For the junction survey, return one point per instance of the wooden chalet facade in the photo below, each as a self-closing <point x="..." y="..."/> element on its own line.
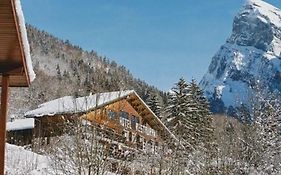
<point x="122" y="118"/>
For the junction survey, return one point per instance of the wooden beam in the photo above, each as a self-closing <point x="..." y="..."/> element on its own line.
<point x="20" y="40"/>
<point x="3" y="119"/>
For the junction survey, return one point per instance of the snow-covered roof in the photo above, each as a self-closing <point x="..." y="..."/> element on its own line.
<point x="25" y="42"/>
<point x="20" y="124"/>
<point x="70" y="104"/>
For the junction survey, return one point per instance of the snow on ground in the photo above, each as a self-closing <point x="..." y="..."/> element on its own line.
<point x="22" y="162"/>
<point x="19" y="161"/>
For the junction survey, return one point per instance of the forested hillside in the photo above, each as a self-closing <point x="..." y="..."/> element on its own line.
<point x="65" y="69"/>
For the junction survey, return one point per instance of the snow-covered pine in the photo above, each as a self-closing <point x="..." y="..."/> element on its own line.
<point x="177" y="114"/>
<point x="200" y="113"/>
<point x="203" y="131"/>
<point x="153" y="102"/>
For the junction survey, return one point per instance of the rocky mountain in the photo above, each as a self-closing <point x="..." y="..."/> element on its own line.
<point x="249" y="61"/>
<point x="65" y="69"/>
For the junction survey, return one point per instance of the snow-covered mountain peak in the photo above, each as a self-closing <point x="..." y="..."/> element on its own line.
<point x="263" y="11"/>
<point x="250" y="55"/>
<point x="258" y="24"/>
<point x="263" y="7"/>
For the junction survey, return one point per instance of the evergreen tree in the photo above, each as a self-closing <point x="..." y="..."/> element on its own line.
<point x="177" y="119"/>
<point x="203" y="131"/>
<point x="58" y="72"/>
<point x="154" y="104"/>
<point x="200" y="114"/>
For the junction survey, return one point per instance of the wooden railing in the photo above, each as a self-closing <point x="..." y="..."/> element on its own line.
<point x="145" y="130"/>
<point x="125" y="122"/>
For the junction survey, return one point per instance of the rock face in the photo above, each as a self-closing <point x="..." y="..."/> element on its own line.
<point x="250" y="57"/>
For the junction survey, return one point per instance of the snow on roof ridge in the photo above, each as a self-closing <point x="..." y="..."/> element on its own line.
<point x="25" y="42"/>
<point x="81" y="104"/>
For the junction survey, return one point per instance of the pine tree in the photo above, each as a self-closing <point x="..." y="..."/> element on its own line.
<point x="200" y="114"/>
<point x="203" y="131"/>
<point x="58" y="72"/>
<point x="177" y="117"/>
<point x="154" y="104"/>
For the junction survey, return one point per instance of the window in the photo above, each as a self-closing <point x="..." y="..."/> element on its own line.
<point x="134" y="121"/>
<point x="111" y="114"/>
<point x="124" y="119"/>
<point x="124" y="115"/>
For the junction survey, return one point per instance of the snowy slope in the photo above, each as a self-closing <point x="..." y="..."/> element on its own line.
<point x="250" y="57"/>
<point x="20" y="161"/>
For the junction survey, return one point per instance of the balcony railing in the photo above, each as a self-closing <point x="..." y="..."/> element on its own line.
<point x="150" y="131"/>
<point x="145" y="130"/>
<point x="125" y="122"/>
<point x="140" y="128"/>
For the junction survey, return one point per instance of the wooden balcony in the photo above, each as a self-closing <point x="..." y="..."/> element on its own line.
<point x="125" y="122"/>
<point x="146" y="130"/>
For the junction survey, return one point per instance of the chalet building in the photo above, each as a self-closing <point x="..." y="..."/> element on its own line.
<point x="122" y="116"/>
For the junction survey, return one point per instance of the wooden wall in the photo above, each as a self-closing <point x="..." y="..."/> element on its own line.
<point x="101" y="117"/>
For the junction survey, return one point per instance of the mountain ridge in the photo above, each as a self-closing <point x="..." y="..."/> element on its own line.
<point x="249" y="59"/>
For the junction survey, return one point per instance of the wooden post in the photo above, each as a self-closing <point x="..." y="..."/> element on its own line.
<point x="3" y="119"/>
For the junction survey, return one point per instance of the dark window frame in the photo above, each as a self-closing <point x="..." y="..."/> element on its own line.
<point x="124" y="115"/>
<point x="111" y="114"/>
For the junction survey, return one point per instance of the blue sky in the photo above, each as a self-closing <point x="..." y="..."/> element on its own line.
<point x="159" y="41"/>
